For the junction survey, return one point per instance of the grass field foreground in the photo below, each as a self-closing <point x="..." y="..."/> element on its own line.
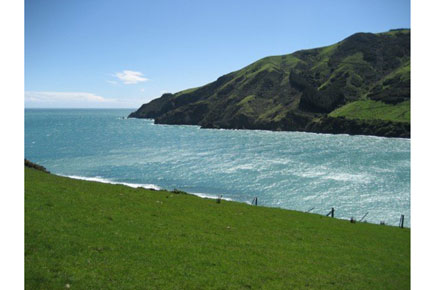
<point x="89" y="235"/>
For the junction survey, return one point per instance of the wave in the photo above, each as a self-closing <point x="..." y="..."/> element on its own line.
<point x="210" y="196"/>
<point x="103" y="180"/>
<point x="137" y="185"/>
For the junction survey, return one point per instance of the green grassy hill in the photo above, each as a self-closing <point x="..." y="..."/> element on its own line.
<point x="374" y="110"/>
<point x="88" y="235"/>
<point x="297" y="91"/>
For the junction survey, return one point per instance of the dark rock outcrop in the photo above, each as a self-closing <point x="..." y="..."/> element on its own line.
<point x="30" y="164"/>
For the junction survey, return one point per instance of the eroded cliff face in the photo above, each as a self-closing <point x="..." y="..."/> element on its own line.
<point x="302" y="90"/>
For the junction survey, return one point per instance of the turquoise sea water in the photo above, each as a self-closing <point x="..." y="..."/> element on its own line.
<point x="292" y="170"/>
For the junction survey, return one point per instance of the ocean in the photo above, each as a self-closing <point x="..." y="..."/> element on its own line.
<point x="312" y="172"/>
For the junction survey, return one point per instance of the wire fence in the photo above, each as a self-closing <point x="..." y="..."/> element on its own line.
<point x="331" y="214"/>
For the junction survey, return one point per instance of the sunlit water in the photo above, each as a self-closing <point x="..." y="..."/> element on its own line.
<point x="292" y="170"/>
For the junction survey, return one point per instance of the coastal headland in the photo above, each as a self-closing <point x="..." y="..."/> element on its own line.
<point x="358" y="86"/>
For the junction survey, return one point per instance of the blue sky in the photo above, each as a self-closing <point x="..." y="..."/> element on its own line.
<point x="105" y="54"/>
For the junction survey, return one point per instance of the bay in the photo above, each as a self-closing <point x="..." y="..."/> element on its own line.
<point x="291" y="170"/>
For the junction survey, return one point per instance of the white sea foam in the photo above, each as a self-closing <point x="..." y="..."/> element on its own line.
<point x="137" y="185"/>
<point x="359" y="178"/>
<point x="210" y="196"/>
<point x="239" y="167"/>
<point x="103" y="180"/>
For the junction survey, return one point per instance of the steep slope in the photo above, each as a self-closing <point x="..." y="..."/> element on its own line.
<point x="305" y="91"/>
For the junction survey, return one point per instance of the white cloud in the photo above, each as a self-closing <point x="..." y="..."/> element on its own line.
<point x="112" y="82"/>
<point x="34" y="99"/>
<point x="130" y="77"/>
<point x="63" y="96"/>
<point x="64" y="99"/>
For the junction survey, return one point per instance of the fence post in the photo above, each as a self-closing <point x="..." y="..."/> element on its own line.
<point x="363" y="217"/>
<point x="402" y="218"/>
<point x="331" y="213"/>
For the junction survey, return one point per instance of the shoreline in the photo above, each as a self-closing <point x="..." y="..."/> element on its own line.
<point x="154" y="187"/>
<point x="312" y="129"/>
<point x="146" y="186"/>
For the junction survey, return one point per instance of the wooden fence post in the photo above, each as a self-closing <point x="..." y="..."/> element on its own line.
<point x="331" y="213"/>
<point x="363" y="217"/>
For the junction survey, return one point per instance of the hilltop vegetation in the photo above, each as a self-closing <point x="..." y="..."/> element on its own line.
<point x="305" y="91"/>
<point x="89" y="235"/>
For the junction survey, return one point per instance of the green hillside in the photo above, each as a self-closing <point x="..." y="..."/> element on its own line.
<point x="374" y="110"/>
<point x="293" y="91"/>
<point x="88" y="235"/>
